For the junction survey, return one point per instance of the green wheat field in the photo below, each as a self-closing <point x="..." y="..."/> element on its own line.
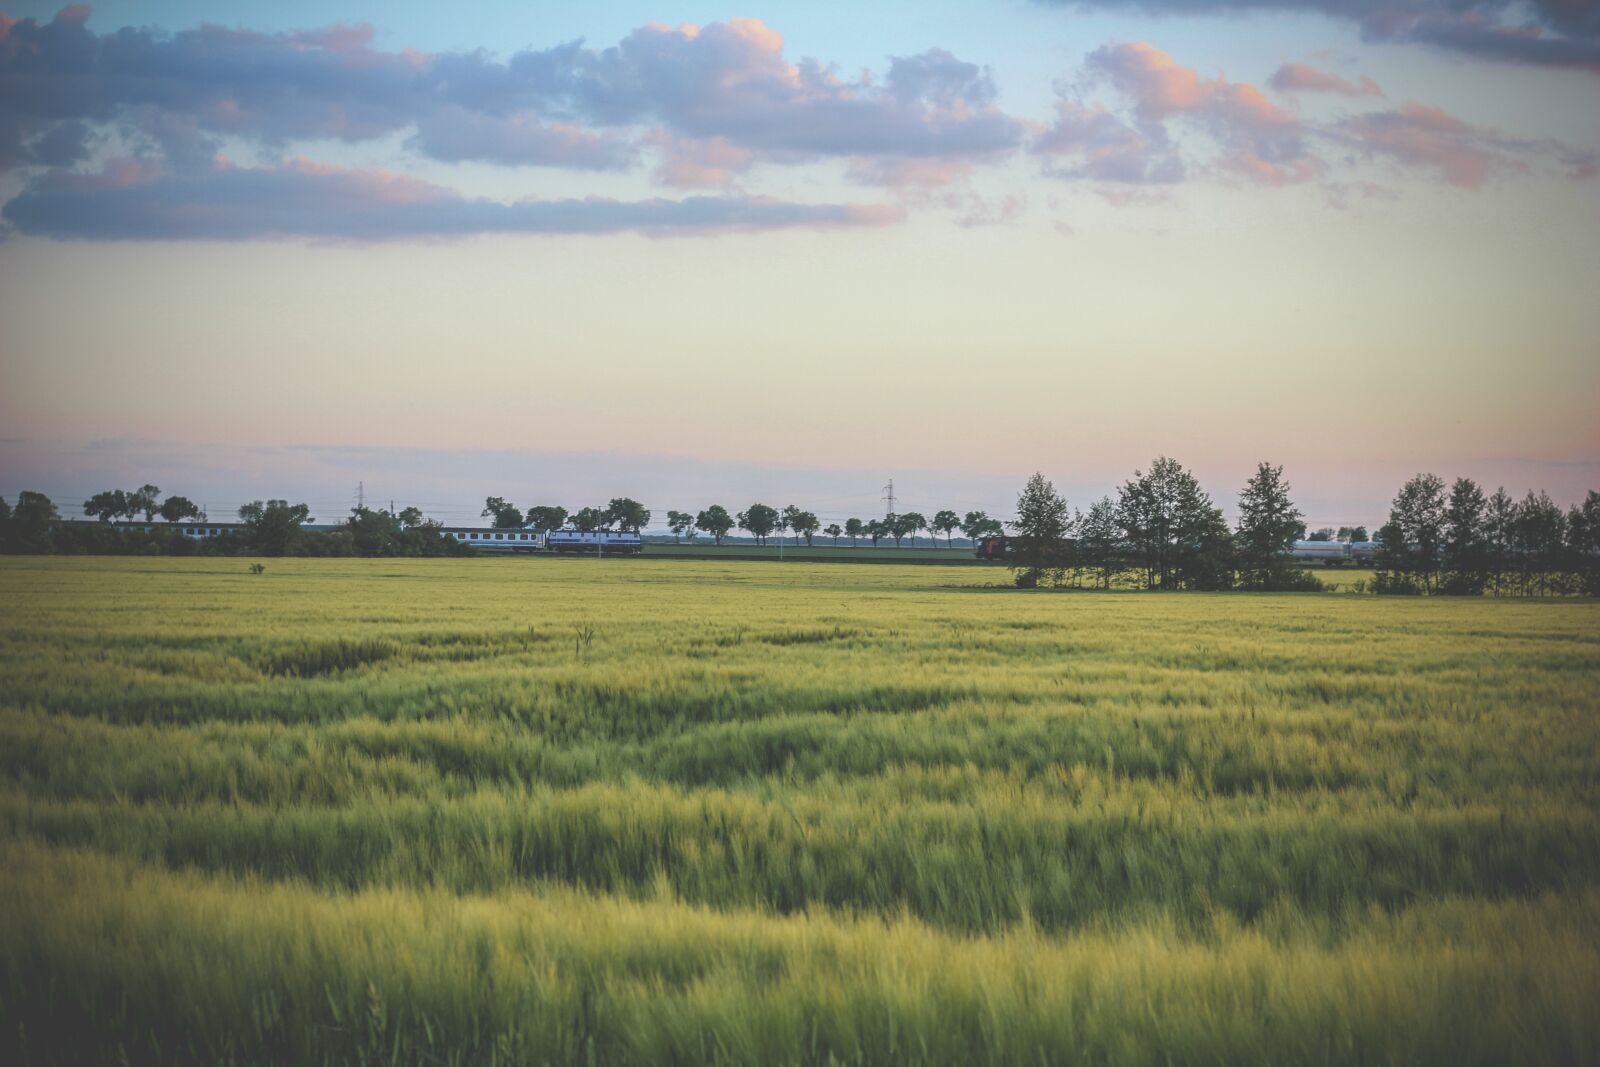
<point x="624" y="811"/>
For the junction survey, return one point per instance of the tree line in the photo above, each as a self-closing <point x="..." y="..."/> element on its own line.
<point x="761" y="521"/>
<point x="1162" y="531"/>
<point x="268" y="528"/>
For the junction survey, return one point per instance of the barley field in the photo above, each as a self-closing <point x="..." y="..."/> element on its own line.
<point x="624" y="811"/>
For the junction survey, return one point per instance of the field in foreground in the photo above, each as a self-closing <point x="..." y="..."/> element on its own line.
<point x="582" y="811"/>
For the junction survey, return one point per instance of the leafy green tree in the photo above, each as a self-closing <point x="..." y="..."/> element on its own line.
<point x="805" y="524"/>
<point x="1466" y="545"/>
<point x="1099" y="548"/>
<point x="1326" y="533"/>
<point x="1583" y="542"/>
<point x="179" y="508"/>
<point x="1349" y="534"/>
<point x="411" y="518"/>
<point x="853" y="529"/>
<point x="628" y="514"/>
<point x="106" y="506"/>
<point x="1268" y="524"/>
<point x="1499" y="532"/>
<point x="876" y="530"/>
<point x="1408" y="558"/>
<point x="908" y="524"/>
<point x="1173" y="532"/>
<point x="1039" y="551"/>
<point x="589" y="520"/>
<point x="1540" y="543"/>
<point x="977" y="525"/>
<point x="760" y="520"/>
<point x="893" y="527"/>
<point x="505" y="516"/>
<point x="274" y="527"/>
<point x="786" y="520"/>
<point x="833" y="530"/>
<point x="680" y="522"/>
<point x="545" y="517"/>
<point x="715" y="521"/>
<point x="946" y="522"/>
<point x="28" y="529"/>
<point x="147" y="499"/>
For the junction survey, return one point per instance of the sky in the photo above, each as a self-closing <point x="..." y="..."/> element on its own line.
<point x="701" y="254"/>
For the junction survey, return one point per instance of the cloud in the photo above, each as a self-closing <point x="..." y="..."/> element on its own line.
<point x="1561" y="33"/>
<point x="454" y="134"/>
<point x="1261" y="140"/>
<point x="1458" y="153"/>
<point x="732" y="81"/>
<point x="1304" y="78"/>
<point x="725" y="82"/>
<point x="134" y="200"/>
<point x="1090" y="142"/>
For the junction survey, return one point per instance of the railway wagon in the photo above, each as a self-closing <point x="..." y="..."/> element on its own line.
<point x="594" y="542"/>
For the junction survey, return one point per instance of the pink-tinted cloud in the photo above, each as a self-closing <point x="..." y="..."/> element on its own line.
<point x="1261" y="140"/>
<point x="1304" y="78"/>
<point x="1090" y="142"/>
<point x="301" y="199"/>
<point x="1419" y="136"/>
<point x="702" y="162"/>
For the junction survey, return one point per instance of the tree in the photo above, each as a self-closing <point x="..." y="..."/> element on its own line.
<point x="833" y="530"/>
<point x="1349" y="534"/>
<point x="506" y="517"/>
<point x="411" y="518"/>
<point x="1326" y="533"/>
<point x="1465" y="548"/>
<point x="1040" y="549"/>
<point x="853" y="529"/>
<point x="1408" y="558"/>
<point x="760" y="520"/>
<point x="715" y="521"/>
<point x="1268" y="523"/>
<point x="908" y="525"/>
<point x="977" y="525"/>
<point x="805" y="525"/>
<point x="30" y="523"/>
<point x="893" y="528"/>
<point x="111" y="504"/>
<point x="786" y="521"/>
<point x="272" y="528"/>
<point x="1099" y="546"/>
<point x="179" y="508"/>
<point x="1174" y="533"/>
<point x="1499" y="532"/>
<point x="588" y="520"/>
<point x="545" y="517"/>
<point x="1540" y="542"/>
<point x="946" y="522"/>
<point x="1583" y="542"/>
<point x="875" y="531"/>
<point x="680" y="522"/>
<point x="627" y="514"/>
<point x="146" y="498"/>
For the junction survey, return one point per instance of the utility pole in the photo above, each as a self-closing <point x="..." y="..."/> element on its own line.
<point x="888" y="498"/>
<point x="361" y="495"/>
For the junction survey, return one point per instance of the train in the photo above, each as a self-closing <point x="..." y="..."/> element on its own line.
<point x="557" y="542"/>
<point x="1328" y="553"/>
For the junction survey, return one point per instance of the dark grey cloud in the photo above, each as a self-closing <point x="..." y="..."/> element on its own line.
<point x="1547" y="33"/>
<point x="130" y="201"/>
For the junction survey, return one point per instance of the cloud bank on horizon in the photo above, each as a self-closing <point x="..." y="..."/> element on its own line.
<point x="211" y="133"/>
